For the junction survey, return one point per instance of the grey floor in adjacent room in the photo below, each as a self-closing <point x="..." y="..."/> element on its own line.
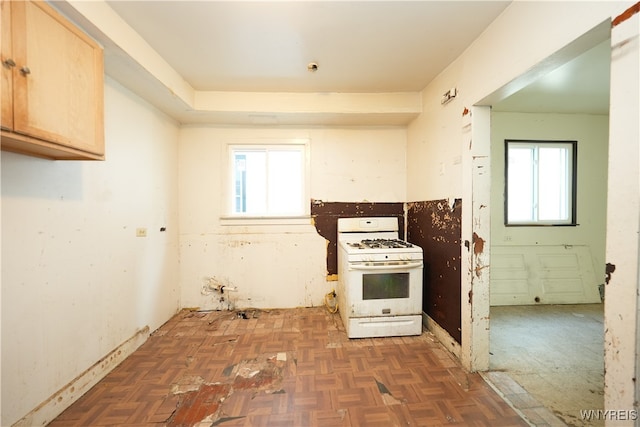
<point x="555" y="353"/>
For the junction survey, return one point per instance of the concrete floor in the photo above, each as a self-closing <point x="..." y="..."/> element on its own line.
<point x="555" y="353"/>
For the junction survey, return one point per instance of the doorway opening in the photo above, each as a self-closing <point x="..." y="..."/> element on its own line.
<point x="546" y="287"/>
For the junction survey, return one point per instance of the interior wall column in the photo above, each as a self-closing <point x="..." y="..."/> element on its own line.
<point x="623" y="220"/>
<point x="476" y="234"/>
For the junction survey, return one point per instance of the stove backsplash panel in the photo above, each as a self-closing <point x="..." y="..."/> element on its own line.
<point x="325" y="216"/>
<point x="435" y="225"/>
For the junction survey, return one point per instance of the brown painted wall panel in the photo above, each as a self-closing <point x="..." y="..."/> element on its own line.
<point x="325" y="216"/>
<point x="436" y="227"/>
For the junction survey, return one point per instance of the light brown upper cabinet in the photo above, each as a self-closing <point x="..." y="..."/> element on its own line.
<point x="52" y="85"/>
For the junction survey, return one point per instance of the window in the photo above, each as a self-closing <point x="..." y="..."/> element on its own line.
<point x="268" y="180"/>
<point x="540" y="182"/>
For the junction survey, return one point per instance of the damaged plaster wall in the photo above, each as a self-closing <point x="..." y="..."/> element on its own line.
<point x="76" y="281"/>
<point x="285" y="264"/>
<point x="325" y="218"/>
<point x="435" y="226"/>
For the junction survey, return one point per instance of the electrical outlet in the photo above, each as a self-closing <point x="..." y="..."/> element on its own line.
<point x="141" y="232"/>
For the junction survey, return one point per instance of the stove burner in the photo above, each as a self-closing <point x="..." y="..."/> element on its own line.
<point x="380" y="244"/>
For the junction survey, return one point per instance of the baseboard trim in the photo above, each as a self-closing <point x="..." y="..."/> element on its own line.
<point x="442" y="335"/>
<point x="44" y="413"/>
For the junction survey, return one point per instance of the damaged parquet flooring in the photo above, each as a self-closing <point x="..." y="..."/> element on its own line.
<point x="285" y="368"/>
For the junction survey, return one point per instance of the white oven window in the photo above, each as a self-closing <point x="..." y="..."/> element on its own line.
<point x="385" y="286"/>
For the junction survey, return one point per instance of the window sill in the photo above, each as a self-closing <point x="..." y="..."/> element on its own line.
<point x="266" y="220"/>
<point x="541" y="224"/>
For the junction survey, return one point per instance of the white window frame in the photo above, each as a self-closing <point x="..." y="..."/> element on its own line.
<point x="231" y="217"/>
<point x="535" y="189"/>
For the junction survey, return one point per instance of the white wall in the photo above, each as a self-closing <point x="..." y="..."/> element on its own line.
<point x="76" y="281"/>
<point x="592" y="134"/>
<point x="275" y="266"/>
<point x="494" y="63"/>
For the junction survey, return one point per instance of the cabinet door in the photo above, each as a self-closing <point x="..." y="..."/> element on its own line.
<point x="57" y="80"/>
<point x="6" y="90"/>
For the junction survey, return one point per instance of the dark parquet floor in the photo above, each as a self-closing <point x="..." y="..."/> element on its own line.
<point x="292" y="367"/>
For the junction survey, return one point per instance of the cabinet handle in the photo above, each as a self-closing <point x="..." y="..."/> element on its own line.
<point x="9" y="63"/>
<point x="25" y="70"/>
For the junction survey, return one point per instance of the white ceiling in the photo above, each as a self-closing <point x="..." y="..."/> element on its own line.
<point x="579" y="86"/>
<point x="265" y="46"/>
<point x="359" y="46"/>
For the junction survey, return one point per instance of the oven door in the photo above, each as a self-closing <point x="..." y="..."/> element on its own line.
<point x="389" y="288"/>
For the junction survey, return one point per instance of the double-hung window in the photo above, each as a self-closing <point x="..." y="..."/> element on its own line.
<point x="268" y="180"/>
<point x="540" y="182"/>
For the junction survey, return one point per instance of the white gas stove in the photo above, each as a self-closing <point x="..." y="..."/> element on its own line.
<point x="379" y="279"/>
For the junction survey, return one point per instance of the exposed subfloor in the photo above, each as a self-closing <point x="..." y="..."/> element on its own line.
<point x="293" y="367"/>
<point x="553" y="352"/>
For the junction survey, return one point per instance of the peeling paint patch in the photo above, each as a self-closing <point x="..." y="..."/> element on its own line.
<point x="609" y="269"/>
<point x="325" y="218"/>
<point x="435" y="225"/>
<point x="478" y="250"/>
<point x="478" y="244"/>
<point x="478" y="270"/>
<point x="626" y="15"/>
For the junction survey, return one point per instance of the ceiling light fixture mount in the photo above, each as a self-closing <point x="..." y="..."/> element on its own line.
<point x="312" y="67"/>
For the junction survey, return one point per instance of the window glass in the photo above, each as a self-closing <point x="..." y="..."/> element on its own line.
<point x="268" y="180"/>
<point x="540" y="182"/>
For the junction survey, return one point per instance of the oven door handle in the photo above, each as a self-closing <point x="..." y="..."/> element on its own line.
<point x="402" y="266"/>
